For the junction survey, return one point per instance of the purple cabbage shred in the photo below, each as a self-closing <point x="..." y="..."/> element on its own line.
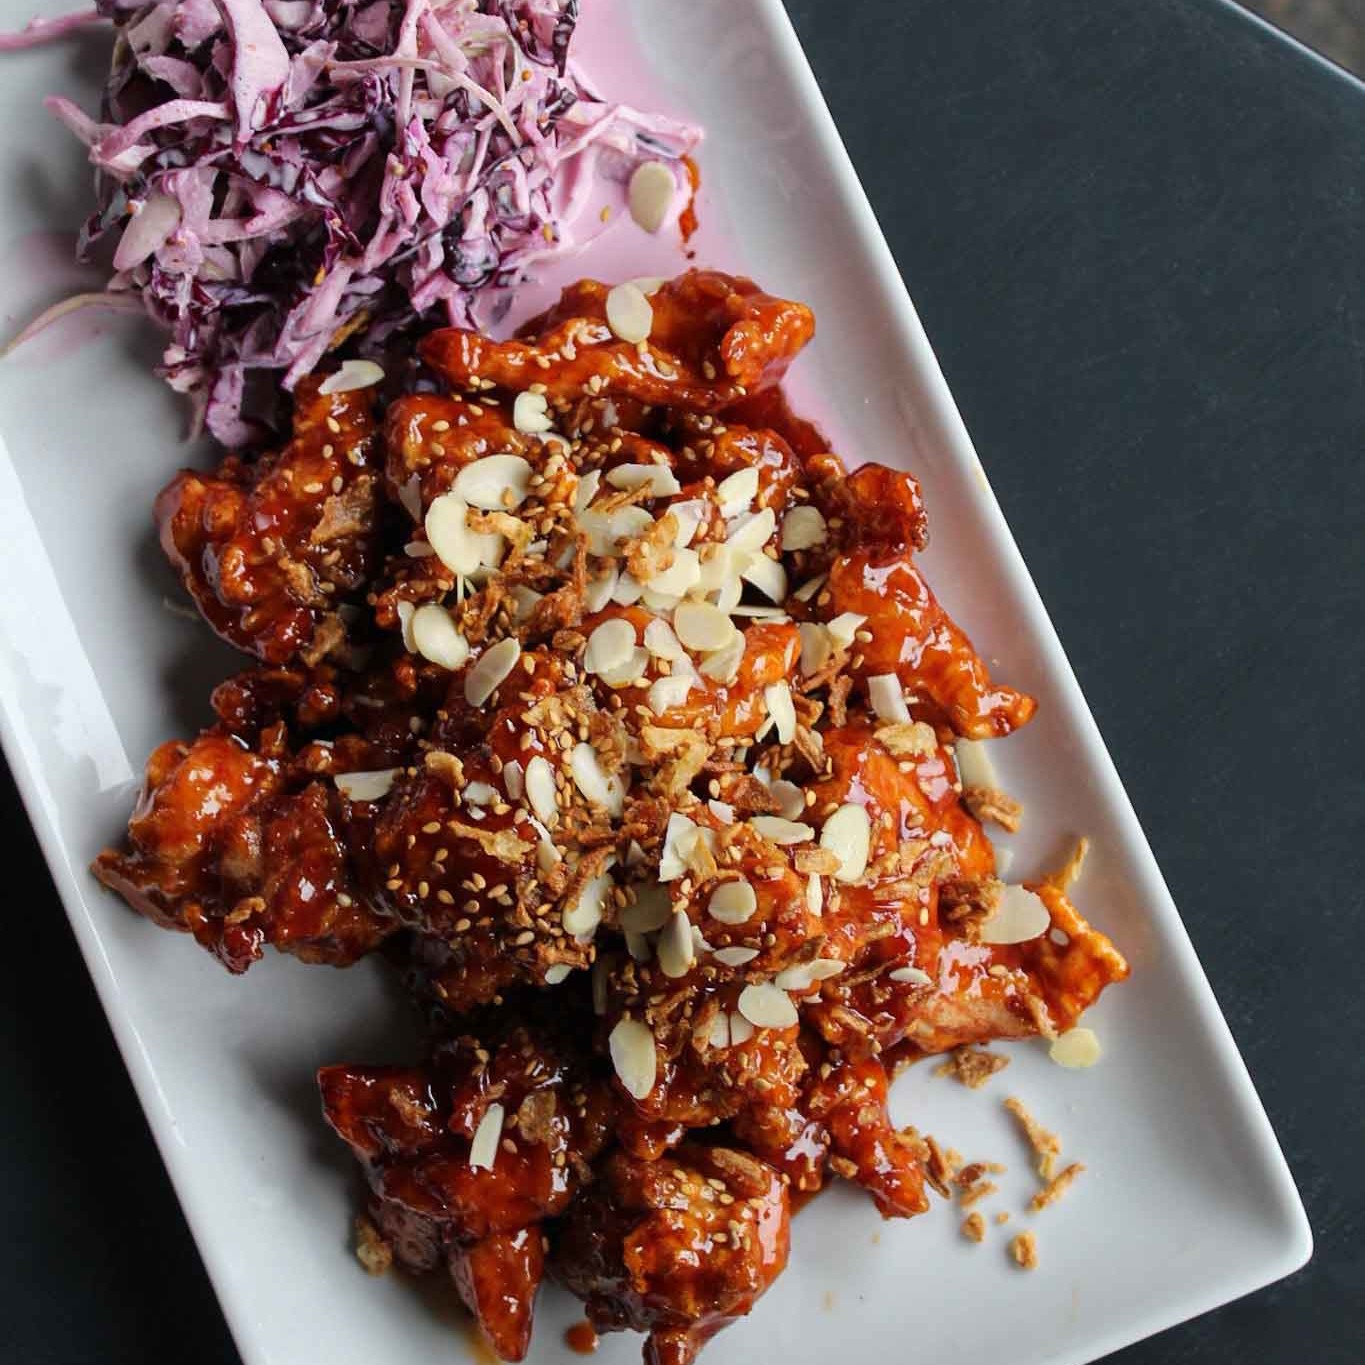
<point x="283" y="178"/>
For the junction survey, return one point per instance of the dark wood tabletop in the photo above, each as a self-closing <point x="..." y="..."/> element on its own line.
<point x="1134" y="231"/>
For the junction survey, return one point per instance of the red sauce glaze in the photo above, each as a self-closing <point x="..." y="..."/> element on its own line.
<point x="687" y="220"/>
<point x="581" y="1338"/>
<point x="551" y="862"/>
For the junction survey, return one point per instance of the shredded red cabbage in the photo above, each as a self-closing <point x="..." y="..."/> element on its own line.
<point x="283" y="177"/>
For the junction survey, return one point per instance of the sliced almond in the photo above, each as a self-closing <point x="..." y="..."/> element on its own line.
<point x="1076" y="1049"/>
<point x="718" y="567"/>
<point x="888" y="698"/>
<point x="698" y="851"/>
<point x="628" y="589"/>
<point x="730" y="591"/>
<point x="974" y="764"/>
<point x="434" y="634"/>
<point x="609" y="646"/>
<point x="541" y="790"/>
<point x="629" y="314"/>
<point x="666" y="693"/>
<point x="600" y="589"/>
<point x="592" y="779"/>
<point x="352" y="375"/>
<point x="676" y="951"/>
<point x="1019" y="917"/>
<point x="631" y="1045"/>
<point x="911" y="976"/>
<point x="658" y="478"/>
<point x="815" y="895"/>
<point x="718" y="1034"/>
<point x="652" y="190"/>
<point x="790" y="798"/>
<point x="816" y="647"/>
<point x="802" y="528"/>
<point x="661" y="642"/>
<point x="776" y="830"/>
<point x="768" y="576"/>
<point x="493" y="666"/>
<point x="649" y="912"/>
<point x="479" y="794"/>
<point x="461" y="550"/>
<point x="631" y="669"/>
<point x="767" y="1006"/>
<point x="680" y="577"/>
<point x="689" y="515"/>
<point x="735" y="957"/>
<point x="736" y="492"/>
<point x="741" y="1030"/>
<point x="495" y="483"/>
<point x="844" y="627"/>
<point x="671" y="864"/>
<point x="514" y="779"/>
<point x="733" y="902"/>
<point x="702" y="627"/>
<point x="848" y="835"/>
<point x="531" y="413"/>
<point x="557" y="972"/>
<point x="483" y="1149"/>
<point x="585" y="914"/>
<point x="750" y="532"/>
<point x="586" y="491"/>
<point x="723" y="664"/>
<point x="525" y="599"/>
<point x="406" y="611"/>
<point x="781" y="710"/>
<point x="810" y="587"/>
<point x="370" y="786"/>
<point x="804" y="976"/>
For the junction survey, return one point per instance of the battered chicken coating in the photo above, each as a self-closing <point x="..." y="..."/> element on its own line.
<point x="714" y="339"/>
<point x="270" y="548"/>
<point x="242" y="838"/>
<point x="469" y="1154"/>
<point x="677" y="1247"/>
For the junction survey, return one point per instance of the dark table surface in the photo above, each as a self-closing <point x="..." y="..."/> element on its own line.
<point x="1134" y="231"/>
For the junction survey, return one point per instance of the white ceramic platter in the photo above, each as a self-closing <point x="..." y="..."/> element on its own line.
<point x="1186" y="1201"/>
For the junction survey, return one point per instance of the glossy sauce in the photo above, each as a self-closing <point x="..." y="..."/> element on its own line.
<point x="581" y="1338"/>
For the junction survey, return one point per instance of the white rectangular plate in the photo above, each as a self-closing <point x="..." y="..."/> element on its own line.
<point x="1186" y="1201"/>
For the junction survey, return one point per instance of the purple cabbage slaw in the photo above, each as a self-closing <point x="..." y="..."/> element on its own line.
<point x="284" y="177"/>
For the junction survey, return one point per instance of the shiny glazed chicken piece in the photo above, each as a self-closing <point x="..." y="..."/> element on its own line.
<point x="714" y="339"/>
<point x="677" y="1247"/>
<point x="241" y="837"/>
<point x="270" y="549"/>
<point x="468" y="1155"/>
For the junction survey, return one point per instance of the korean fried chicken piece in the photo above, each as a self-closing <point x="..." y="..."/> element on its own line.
<point x="467" y="1155"/>
<point x="1039" y="987"/>
<point x="242" y="837"/>
<point x="910" y="930"/>
<point x="223" y="848"/>
<point x="269" y="549"/>
<point x="677" y="1247"/>
<point x="714" y="338"/>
